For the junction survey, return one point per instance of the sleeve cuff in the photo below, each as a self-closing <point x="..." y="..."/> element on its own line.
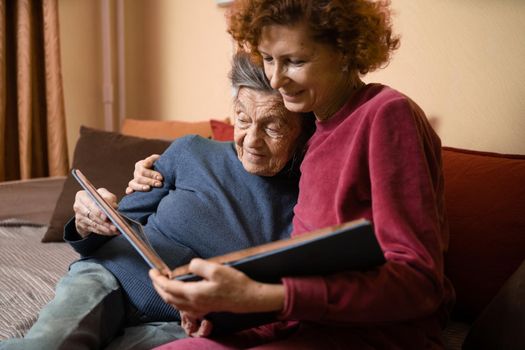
<point x="83" y="246"/>
<point x="305" y="298"/>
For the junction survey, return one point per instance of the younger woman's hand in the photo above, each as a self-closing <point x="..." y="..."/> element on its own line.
<point x="222" y="288"/>
<point x="143" y="177"/>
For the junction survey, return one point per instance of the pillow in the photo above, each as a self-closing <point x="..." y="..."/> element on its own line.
<point x="166" y="129"/>
<point x="107" y="159"/>
<point x="485" y="200"/>
<point x="502" y="323"/>
<point x="221" y="131"/>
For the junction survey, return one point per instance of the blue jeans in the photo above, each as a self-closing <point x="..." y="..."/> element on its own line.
<point x="89" y="311"/>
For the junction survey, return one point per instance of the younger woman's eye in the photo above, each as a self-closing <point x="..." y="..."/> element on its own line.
<point x="296" y="62"/>
<point x="267" y="59"/>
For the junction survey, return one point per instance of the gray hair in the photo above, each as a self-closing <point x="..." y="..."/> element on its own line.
<point x="246" y="73"/>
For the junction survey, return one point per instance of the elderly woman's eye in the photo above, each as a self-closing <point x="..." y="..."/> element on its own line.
<point x="242" y="121"/>
<point x="273" y="131"/>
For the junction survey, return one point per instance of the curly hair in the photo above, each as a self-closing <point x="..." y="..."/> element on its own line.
<point x="360" y="29"/>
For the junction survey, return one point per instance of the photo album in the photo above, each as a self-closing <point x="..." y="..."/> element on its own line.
<point x="348" y="246"/>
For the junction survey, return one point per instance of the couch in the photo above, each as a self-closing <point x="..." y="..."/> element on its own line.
<point x="485" y="199"/>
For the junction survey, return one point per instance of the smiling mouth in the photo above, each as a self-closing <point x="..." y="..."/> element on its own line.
<point x="290" y="95"/>
<point x="254" y="157"/>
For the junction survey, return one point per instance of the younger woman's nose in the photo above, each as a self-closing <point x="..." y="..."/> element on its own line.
<point x="278" y="77"/>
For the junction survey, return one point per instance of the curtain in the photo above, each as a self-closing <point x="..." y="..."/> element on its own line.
<point x="33" y="139"/>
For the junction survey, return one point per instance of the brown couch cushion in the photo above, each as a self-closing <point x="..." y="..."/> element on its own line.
<point x="485" y="199"/>
<point x="107" y="159"/>
<point x="32" y="200"/>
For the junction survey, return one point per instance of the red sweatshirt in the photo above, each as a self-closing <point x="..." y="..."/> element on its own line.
<point x="379" y="159"/>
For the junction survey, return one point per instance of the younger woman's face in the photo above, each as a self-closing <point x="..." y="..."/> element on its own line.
<point x="308" y="74"/>
<point x="265" y="133"/>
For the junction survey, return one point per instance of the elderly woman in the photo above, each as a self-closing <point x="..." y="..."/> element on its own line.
<point x="217" y="197"/>
<point x="373" y="155"/>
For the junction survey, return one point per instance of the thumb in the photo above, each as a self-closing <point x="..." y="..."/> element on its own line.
<point x="148" y="162"/>
<point x="203" y="268"/>
<point x="204" y="330"/>
<point x="108" y="196"/>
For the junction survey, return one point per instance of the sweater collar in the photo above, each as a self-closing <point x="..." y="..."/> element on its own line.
<point x="348" y="108"/>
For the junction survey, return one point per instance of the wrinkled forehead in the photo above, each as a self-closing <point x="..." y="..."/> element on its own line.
<point x="262" y="104"/>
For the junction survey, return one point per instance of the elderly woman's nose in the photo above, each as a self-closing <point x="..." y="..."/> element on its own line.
<point x="254" y="136"/>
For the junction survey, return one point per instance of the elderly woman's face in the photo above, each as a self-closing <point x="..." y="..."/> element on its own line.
<point x="265" y="132"/>
<point x="309" y="75"/>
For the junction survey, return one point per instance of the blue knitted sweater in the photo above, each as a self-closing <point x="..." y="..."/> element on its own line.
<point x="209" y="205"/>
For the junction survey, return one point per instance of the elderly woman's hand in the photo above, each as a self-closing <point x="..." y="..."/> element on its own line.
<point x="195" y="327"/>
<point x="143" y="177"/>
<point x="89" y="218"/>
<point x="223" y="288"/>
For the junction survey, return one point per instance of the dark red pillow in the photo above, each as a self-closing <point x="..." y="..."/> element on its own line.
<point x="221" y="131"/>
<point x="485" y="199"/>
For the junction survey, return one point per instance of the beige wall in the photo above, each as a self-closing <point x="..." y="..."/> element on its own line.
<point x="177" y="59"/>
<point x="460" y="60"/>
<point x="463" y="63"/>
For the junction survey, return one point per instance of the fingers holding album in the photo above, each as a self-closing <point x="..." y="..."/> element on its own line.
<point x="195" y="327"/>
<point x="223" y="288"/>
<point x="109" y="197"/>
<point x="89" y="218"/>
<point x="172" y="292"/>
